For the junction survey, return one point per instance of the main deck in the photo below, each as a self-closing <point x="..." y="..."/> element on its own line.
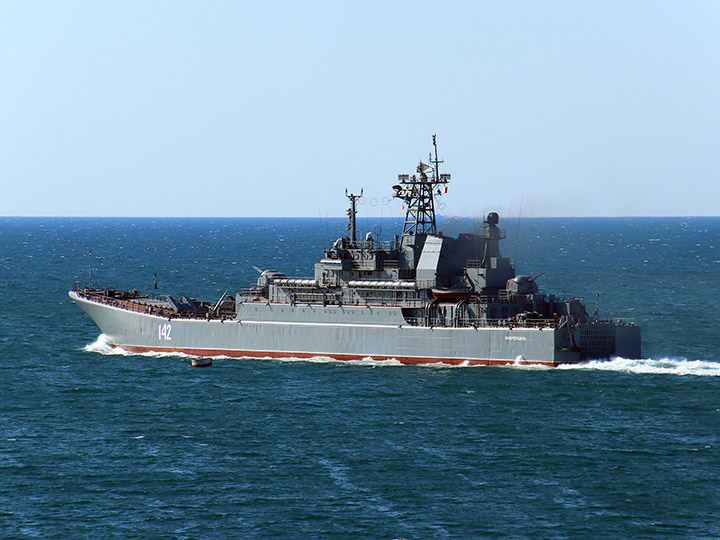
<point x="231" y="307"/>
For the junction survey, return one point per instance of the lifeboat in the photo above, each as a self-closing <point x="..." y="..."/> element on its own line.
<point x="450" y="293"/>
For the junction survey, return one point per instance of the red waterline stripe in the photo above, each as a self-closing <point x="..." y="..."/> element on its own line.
<point x="335" y="356"/>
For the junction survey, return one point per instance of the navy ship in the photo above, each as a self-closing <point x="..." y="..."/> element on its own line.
<point x="422" y="297"/>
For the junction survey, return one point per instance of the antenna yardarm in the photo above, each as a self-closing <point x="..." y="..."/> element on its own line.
<point x="418" y="192"/>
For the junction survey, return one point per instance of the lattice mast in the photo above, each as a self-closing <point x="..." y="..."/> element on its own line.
<point x="352" y="214"/>
<point x="418" y="193"/>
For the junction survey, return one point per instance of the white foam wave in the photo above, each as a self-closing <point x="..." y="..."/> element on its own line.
<point x="102" y="346"/>
<point x="367" y="361"/>
<point x="662" y="366"/>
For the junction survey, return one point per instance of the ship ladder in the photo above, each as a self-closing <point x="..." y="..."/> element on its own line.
<point x="458" y="310"/>
<point x="428" y="306"/>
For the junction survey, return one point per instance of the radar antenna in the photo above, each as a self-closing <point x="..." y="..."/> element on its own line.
<point x="418" y="193"/>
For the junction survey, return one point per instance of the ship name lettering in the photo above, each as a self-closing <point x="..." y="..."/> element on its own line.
<point x="515" y="338"/>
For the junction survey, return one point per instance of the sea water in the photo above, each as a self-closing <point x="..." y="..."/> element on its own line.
<point x="98" y="443"/>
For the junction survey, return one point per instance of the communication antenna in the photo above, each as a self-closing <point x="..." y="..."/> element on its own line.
<point x="90" y="277"/>
<point x="352" y="214"/>
<point x="517" y="232"/>
<point x="322" y="229"/>
<point x="327" y="232"/>
<point x="418" y="193"/>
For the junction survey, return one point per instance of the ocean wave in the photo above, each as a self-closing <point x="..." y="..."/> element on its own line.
<point x="661" y="366"/>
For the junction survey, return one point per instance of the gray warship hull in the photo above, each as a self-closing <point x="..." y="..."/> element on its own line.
<point x="424" y="297"/>
<point x="265" y="330"/>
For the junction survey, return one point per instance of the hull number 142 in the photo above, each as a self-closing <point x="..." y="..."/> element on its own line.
<point x="164" y="332"/>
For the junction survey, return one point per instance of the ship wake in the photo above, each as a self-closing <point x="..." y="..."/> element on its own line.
<point x="655" y="366"/>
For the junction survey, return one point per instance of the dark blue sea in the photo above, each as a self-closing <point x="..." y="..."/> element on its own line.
<point x="99" y="444"/>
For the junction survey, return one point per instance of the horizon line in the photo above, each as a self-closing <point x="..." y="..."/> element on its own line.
<point x="23" y="216"/>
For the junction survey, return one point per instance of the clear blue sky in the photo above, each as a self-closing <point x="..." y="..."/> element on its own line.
<point x="178" y="108"/>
